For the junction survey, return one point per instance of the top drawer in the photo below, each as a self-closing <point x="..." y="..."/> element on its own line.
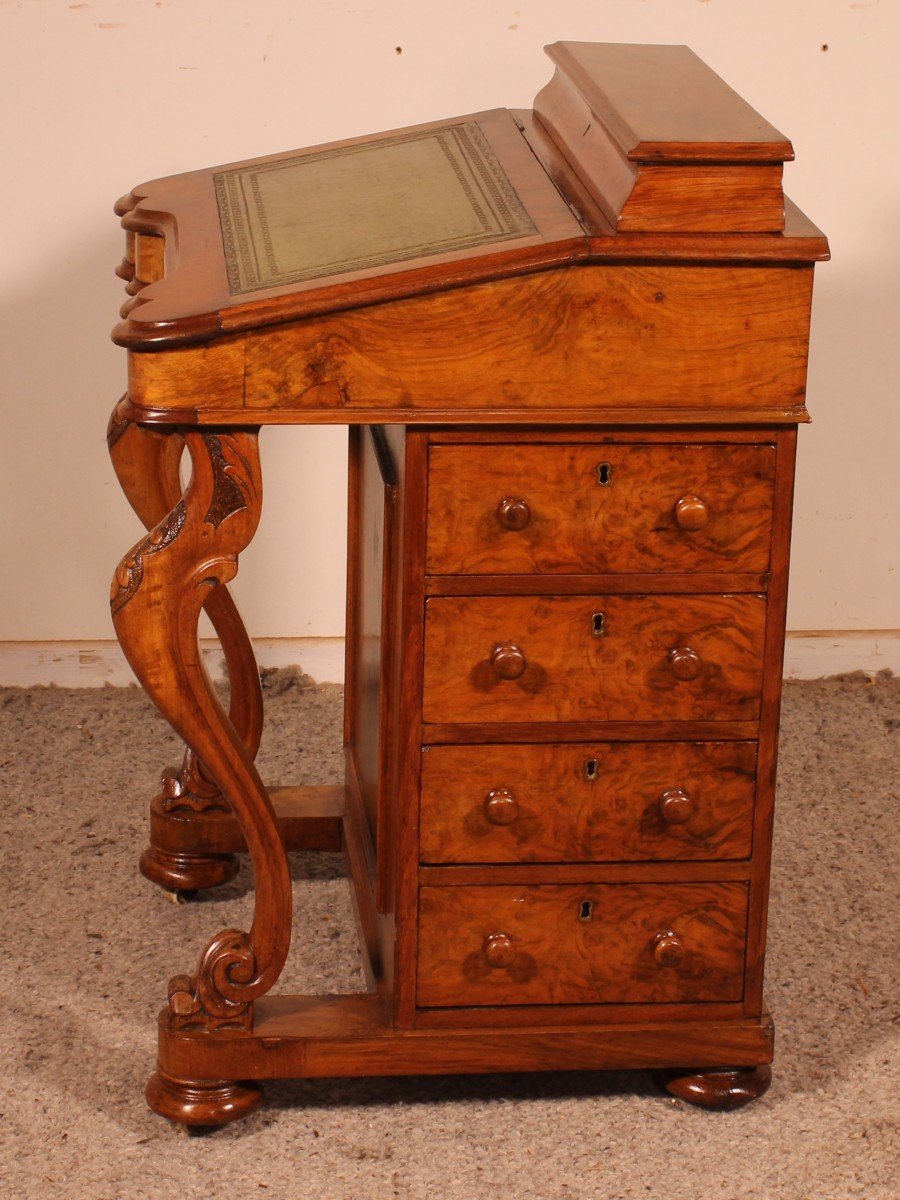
<point x="507" y="508"/>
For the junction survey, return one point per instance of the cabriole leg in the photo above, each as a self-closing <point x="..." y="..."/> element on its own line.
<point x="147" y="462"/>
<point x="157" y="595"/>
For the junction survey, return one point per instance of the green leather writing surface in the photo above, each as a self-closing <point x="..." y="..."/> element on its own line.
<point x="362" y="206"/>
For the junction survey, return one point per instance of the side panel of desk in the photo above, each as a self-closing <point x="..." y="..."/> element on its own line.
<point x="376" y="473"/>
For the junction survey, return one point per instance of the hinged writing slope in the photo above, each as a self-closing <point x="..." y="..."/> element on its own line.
<point x="361" y="206"/>
<point x="661" y="142"/>
<point x="337" y="226"/>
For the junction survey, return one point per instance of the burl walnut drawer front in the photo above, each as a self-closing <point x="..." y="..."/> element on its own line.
<point x="585" y="509"/>
<point x="593" y="658"/>
<point x="609" y="802"/>
<point x="582" y="944"/>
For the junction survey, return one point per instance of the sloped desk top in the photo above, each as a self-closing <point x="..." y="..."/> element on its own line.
<point x="632" y="155"/>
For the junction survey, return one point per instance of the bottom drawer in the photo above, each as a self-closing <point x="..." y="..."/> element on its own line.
<point x="581" y="944"/>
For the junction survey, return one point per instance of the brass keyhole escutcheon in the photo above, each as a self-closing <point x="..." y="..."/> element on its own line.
<point x="592" y="770"/>
<point x="586" y="910"/>
<point x="598" y="624"/>
<point x="604" y="474"/>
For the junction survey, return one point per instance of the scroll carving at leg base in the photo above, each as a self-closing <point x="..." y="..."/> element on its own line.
<point x="723" y="1089"/>
<point x="200" y="1105"/>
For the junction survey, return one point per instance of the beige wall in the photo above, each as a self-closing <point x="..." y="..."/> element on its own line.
<point x="99" y="96"/>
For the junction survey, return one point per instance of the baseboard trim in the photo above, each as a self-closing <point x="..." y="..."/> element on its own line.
<point x="808" y="655"/>
<point x="812" y="654"/>
<point x="102" y="664"/>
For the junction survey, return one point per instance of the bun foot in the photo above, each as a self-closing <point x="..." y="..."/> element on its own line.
<point x="201" y="1106"/>
<point x="187" y="872"/>
<point x="723" y="1089"/>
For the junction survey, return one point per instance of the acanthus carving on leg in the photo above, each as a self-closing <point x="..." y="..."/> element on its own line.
<point x="157" y="596"/>
<point x="147" y="463"/>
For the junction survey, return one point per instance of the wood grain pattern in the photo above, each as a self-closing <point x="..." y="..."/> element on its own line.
<point x="676" y="871"/>
<point x="572" y="675"/>
<point x="560" y="956"/>
<point x="331" y="1036"/>
<point x="648" y="336"/>
<point x="705" y="199"/>
<point x="586" y="585"/>
<point x="800" y="240"/>
<point x="663" y="103"/>
<point x="596" y="340"/>
<point x="597" y="508"/>
<point x="587" y="802"/>
<point x="677" y="175"/>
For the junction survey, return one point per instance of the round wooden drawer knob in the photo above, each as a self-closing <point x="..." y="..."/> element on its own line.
<point x="676" y="806"/>
<point x="499" y="950"/>
<point x="513" y="512"/>
<point x="501" y="807"/>
<point x="508" y="661"/>
<point x="686" y="663"/>
<point x="667" y="949"/>
<point x="691" y="513"/>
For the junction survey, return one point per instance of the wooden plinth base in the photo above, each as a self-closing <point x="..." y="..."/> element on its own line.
<point x="312" y="1037"/>
<point x="296" y="1037"/>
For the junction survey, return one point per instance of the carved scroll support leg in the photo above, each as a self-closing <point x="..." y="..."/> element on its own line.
<point x="723" y="1089"/>
<point x="157" y="595"/>
<point x="147" y="465"/>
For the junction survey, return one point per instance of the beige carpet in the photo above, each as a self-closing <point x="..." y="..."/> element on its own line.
<point x="89" y="946"/>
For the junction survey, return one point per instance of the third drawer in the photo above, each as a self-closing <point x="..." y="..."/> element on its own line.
<point x="604" y="802"/>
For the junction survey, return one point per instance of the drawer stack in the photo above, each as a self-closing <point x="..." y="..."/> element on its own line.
<point x="594" y="645"/>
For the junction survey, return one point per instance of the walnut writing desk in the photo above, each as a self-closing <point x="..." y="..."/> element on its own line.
<point x="570" y="345"/>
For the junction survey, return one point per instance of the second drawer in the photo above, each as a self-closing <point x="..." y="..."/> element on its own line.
<point x="593" y="658"/>
<point x="610" y="802"/>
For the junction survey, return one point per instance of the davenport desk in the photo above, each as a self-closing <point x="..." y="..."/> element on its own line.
<point x="570" y="345"/>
